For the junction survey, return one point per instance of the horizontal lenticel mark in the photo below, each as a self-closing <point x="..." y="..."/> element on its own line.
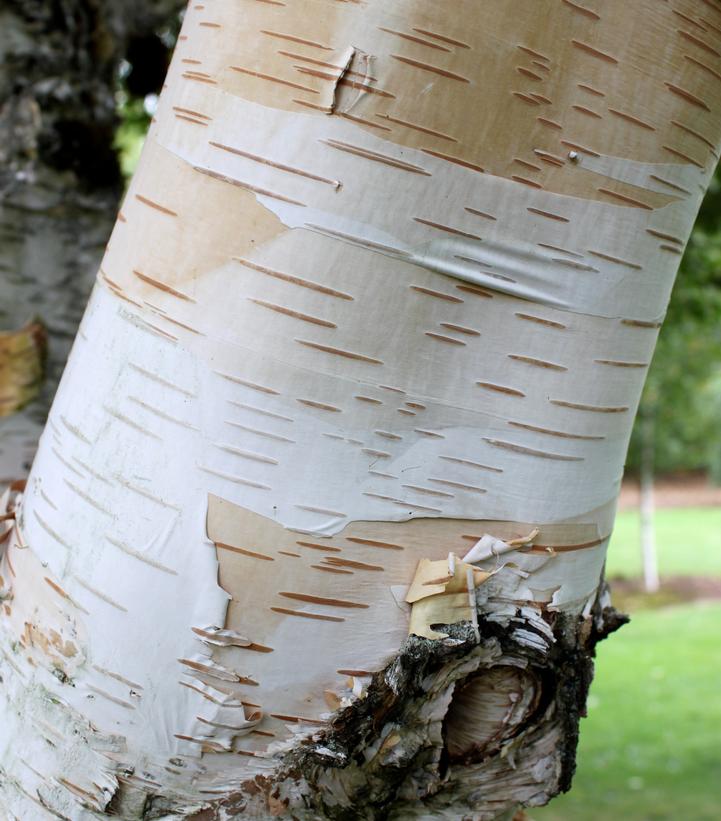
<point x="619" y="364"/>
<point x="617" y="260"/>
<point x="468" y="463"/>
<point x="531" y="451"/>
<point x="688" y="96"/>
<point x="246" y="185"/>
<point x="272" y="79"/>
<point x="500" y="389"/>
<point x="442" y="38"/>
<point x="640" y="323"/>
<point x="162" y="286"/>
<point x="548" y="214"/>
<point x="446" y="228"/>
<point x="415" y="127"/>
<point x="200" y="78"/>
<point x="427" y="67"/>
<point x="295" y="280"/>
<point x="242" y="551"/>
<point x="557" y="433"/>
<point x="252" y="385"/>
<point x="324" y="548"/>
<point x="591" y="89"/>
<point x="265" y="161"/>
<point x="293" y="39"/>
<point x="461" y="329"/>
<point x="583" y="110"/>
<point x="541" y="321"/>
<point x="698" y="42"/>
<point x="454" y="160"/>
<point x="374" y="543"/>
<point x="525" y="98"/>
<point x="367" y="154"/>
<point x="539" y="363"/>
<point x="703" y="66"/>
<point x="582" y="10"/>
<point x="151" y="204"/>
<point x="332" y="570"/>
<point x="625" y="199"/>
<point x="284" y="611"/>
<point x="594" y="52"/>
<point x="592" y="408"/>
<point x="696" y="134"/>
<point x="475" y="290"/>
<point x="681" y="155"/>
<point x="339" y="352"/>
<point x="459" y="485"/>
<point x="292" y="313"/>
<point x="438" y="294"/>
<point x="533" y="53"/>
<point x="322" y="600"/>
<point x="412" y="38"/>
<point x="336" y="562"/>
<point x="549" y="123"/>
<point x="669" y="184"/>
<point x="661" y="235"/>
<point x="581" y="148"/>
<point x="631" y="119"/>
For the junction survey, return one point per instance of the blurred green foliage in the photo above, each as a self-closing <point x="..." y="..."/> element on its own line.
<point x="130" y="136"/>
<point x="683" y="389"/>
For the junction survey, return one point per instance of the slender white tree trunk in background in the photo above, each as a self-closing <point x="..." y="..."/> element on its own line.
<point x="385" y="286"/>
<point x="647" y="504"/>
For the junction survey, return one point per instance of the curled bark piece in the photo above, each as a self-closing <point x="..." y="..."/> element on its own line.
<point x="442" y="592"/>
<point x="488" y="546"/>
<point x="22" y="366"/>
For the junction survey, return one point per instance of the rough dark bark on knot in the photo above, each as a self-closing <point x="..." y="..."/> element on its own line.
<point x="451" y="728"/>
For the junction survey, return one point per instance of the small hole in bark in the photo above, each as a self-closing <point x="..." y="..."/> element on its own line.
<point x="486" y="709"/>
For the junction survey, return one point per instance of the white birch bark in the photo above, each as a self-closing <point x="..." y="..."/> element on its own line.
<point x="387" y="280"/>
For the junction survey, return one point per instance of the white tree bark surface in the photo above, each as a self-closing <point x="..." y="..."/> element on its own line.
<point x="388" y="278"/>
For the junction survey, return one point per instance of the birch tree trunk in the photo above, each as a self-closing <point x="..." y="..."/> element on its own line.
<point x="59" y="187"/>
<point x="379" y="304"/>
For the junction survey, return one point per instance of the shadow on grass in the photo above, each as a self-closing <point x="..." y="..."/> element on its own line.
<point x="629" y="595"/>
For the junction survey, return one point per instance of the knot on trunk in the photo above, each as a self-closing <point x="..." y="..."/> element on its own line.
<point x="450" y="726"/>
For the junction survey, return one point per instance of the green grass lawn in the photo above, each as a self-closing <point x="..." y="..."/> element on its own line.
<point x="651" y="746"/>
<point x="688" y="542"/>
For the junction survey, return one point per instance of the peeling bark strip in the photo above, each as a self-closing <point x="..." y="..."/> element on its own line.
<point x="22" y="365"/>
<point x="340" y="382"/>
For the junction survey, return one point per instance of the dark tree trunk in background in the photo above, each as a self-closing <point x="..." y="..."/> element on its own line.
<point x="59" y="181"/>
